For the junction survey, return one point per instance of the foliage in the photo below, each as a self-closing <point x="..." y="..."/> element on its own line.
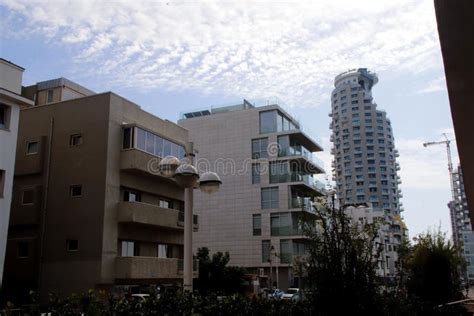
<point x="167" y="302"/>
<point x="341" y="267"/>
<point x="434" y="269"/>
<point x="216" y="276"/>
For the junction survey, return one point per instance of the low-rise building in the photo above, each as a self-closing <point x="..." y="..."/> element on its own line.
<point x="10" y="103"/>
<point x="89" y="208"/>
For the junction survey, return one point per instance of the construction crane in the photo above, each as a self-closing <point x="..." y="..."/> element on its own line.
<point x="447" y="142"/>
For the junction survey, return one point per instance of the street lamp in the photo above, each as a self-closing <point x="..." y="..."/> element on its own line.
<point x="187" y="176"/>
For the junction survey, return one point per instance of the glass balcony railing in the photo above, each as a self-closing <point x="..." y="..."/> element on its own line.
<point x="301" y="151"/>
<point x="292" y="177"/>
<point x="286" y="231"/>
<point x="301" y="203"/>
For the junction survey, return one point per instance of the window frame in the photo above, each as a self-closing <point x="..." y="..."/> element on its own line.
<point x="28" y="143"/>
<point x="74" y="137"/>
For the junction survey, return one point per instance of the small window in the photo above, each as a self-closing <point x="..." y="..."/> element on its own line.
<point x="72" y="245"/>
<point x="32" y="148"/>
<point x="257" y="224"/>
<point x="23" y="248"/>
<point x="50" y="96"/>
<point x="131" y="196"/>
<point x="75" y="190"/>
<point x="129" y="248"/>
<point x="75" y="140"/>
<point x="2" y="182"/>
<point x="164" y="251"/>
<point x="4" y="110"/>
<point x="28" y="197"/>
<point x="165" y="203"/>
<point x="128" y="138"/>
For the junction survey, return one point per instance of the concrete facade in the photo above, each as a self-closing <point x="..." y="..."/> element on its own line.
<point x="254" y="211"/>
<point x="365" y="159"/>
<point x="89" y="208"/>
<point x="10" y="103"/>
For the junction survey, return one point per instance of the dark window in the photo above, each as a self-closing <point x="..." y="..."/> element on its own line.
<point x="256" y="173"/>
<point x="266" y="247"/>
<point x="127" y="138"/>
<point x="2" y="182"/>
<point x="3" y="116"/>
<point x="28" y="197"/>
<point x="23" y="249"/>
<point x="75" y="190"/>
<point x="257" y="224"/>
<point x="72" y="245"/>
<point x="32" y="148"/>
<point x="75" y="140"/>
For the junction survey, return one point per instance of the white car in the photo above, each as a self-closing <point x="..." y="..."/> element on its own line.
<point x="288" y="295"/>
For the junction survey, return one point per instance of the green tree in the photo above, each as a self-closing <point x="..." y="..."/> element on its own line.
<point x="216" y="276"/>
<point x="434" y="269"/>
<point x="341" y="267"/>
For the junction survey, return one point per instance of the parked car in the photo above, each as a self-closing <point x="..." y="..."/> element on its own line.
<point x="276" y="294"/>
<point x="288" y="295"/>
<point x="141" y="297"/>
<point x="299" y="297"/>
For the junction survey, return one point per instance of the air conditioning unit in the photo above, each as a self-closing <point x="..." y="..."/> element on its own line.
<point x="261" y="272"/>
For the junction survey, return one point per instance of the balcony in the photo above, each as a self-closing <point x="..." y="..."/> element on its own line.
<point x="139" y="161"/>
<point x="301" y="203"/>
<point x="304" y="180"/>
<point x="149" y="214"/>
<point x="149" y="268"/>
<point x="308" y="162"/>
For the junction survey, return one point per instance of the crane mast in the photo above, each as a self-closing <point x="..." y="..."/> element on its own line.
<point x="447" y="142"/>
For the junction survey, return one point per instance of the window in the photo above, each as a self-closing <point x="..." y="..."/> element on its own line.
<point x="268" y="122"/>
<point x="266" y="248"/>
<point x="257" y="224"/>
<point x="50" y="96"/>
<point x="2" y="182"/>
<point x="4" y="111"/>
<point x="285" y="251"/>
<point x="75" y="140"/>
<point x="259" y="148"/>
<point x="131" y="196"/>
<point x="28" y="197"/>
<point x="164" y="251"/>
<point x="32" y="148"/>
<point x="72" y="245"/>
<point x="23" y="247"/>
<point x="129" y="248"/>
<point x="127" y="138"/>
<point x="156" y="145"/>
<point x="75" y="190"/>
<point x="256" y="173"/>
<point x="165" y="203"/>
<point x="269" y="198"/>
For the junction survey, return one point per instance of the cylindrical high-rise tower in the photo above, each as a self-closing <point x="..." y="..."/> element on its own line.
<point x="365" y="166"/>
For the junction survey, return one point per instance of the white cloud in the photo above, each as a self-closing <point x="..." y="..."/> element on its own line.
<point x="289" y="49"/>
<point x="436" y="85"/>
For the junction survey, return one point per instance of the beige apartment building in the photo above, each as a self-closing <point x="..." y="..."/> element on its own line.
<point x="10" y="103"/>
<point x="89" y="209"/>
<point x="266" y="165"/>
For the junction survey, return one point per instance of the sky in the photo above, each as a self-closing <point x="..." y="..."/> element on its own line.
<point x="175" y="56"/>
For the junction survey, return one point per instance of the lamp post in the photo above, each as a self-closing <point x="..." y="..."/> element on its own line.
<point x="187" y="176"/>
